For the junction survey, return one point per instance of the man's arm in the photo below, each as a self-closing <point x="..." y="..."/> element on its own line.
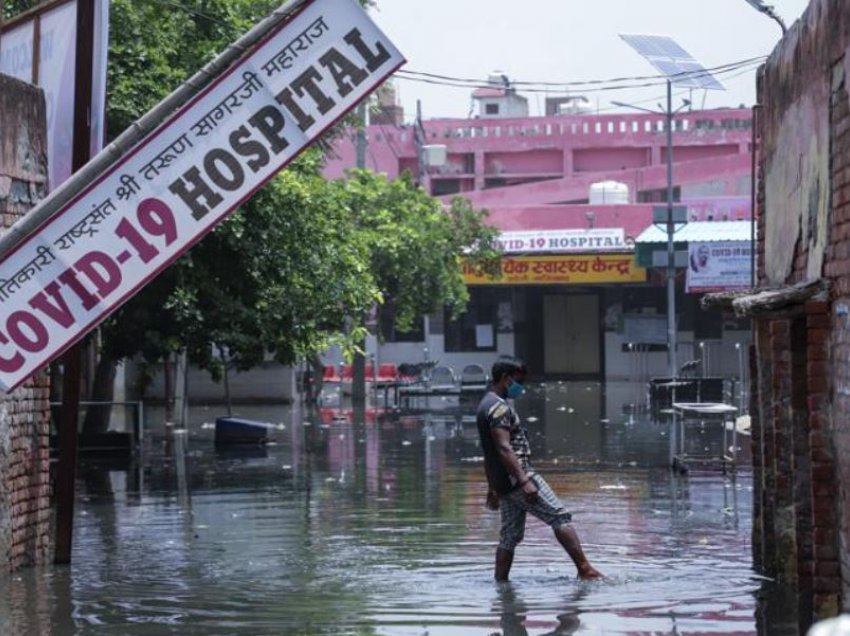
<point x="504" y="450"/>
<point x="492" y="495"/>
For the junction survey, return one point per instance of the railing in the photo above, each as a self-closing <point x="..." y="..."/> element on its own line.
<point x="733" y="121"/>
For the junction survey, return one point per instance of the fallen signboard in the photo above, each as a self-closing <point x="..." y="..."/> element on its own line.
<point x="154" y="203"/>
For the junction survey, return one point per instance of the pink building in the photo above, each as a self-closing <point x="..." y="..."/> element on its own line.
<point x="549" y="160"/>
<point x="540" y="179"/>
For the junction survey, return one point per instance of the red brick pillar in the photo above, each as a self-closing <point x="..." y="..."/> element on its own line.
<point x="756" y="434"/>
<point x="24" y="414"/>
<point x="779" y="468"/>
<point x="830" y="352"/>
<point x="764" y="477"/>
<point x="801" y="471"/>
<point x="826" y="562"/>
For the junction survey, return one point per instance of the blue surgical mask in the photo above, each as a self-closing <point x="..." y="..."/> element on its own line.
<point x="515" y="390"/>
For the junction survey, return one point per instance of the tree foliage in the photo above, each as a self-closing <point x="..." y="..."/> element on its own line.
<point x="304" y="256"/>
<point x="414" y="243"/>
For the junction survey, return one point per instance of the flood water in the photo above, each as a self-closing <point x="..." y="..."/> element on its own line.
<point x="373" y="523"/>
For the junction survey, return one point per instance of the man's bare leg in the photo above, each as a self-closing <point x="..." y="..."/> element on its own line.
<point x="504" y="561"/>
<point x="568" y="538"/>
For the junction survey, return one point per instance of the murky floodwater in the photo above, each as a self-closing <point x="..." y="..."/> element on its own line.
<point x="373" y="523"/>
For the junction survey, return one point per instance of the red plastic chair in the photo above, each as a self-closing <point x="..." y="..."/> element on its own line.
<point x="387" y="373"/>
<point x="330" y="375"/>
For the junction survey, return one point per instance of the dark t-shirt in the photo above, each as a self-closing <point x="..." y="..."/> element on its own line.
<point x="493" y="411"/>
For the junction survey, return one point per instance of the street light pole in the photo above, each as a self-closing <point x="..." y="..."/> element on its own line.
<point x="671" y="254"/>
<point x="768" y="10"/>
<point x="669" y="114"/>
<point x="358" y="379"/>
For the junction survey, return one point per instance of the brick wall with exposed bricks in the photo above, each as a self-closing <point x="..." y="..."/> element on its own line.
<point x="24" y="413"/>
<point x="801" y="384"/>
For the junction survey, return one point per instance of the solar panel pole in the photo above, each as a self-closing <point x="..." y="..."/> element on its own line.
<point x="671" y="254"/>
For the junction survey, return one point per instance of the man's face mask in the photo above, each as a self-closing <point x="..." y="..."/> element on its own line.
<point x="515" y="389"/>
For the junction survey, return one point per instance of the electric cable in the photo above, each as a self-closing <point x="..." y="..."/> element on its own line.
<point x="597" y="88"/>
<point x="719" y="69"/>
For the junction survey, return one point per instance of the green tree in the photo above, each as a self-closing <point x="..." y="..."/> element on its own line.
<point x="303" y="257"/>
<point x="415" y="244"/>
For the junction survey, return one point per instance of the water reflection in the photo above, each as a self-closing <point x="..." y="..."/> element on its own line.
<point x="372" y="522"/>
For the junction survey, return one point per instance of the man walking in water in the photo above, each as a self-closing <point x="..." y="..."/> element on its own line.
<point x="514" y="488"/>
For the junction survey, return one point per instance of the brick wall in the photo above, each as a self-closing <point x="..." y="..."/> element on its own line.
<point x="24" y="414"/>
<point x="801" y="436"/>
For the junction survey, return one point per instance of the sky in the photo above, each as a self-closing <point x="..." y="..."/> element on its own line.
<point x="571" y="41"/>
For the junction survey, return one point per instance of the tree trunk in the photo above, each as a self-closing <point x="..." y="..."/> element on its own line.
<point x="168" y="381"/>
<point x="227" y="398"/>
<point x="314" y="388"/>
<point x="103" y="390"/>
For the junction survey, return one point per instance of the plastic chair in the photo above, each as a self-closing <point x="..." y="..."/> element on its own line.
<point x="443" y="378"/>
<point x="329" y="375"/>
<point x="387" y="373"/>
<point x="473" y="378"/>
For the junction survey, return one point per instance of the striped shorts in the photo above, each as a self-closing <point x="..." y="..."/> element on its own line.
<point x="514" y="507"/>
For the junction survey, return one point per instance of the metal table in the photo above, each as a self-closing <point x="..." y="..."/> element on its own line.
<point x="702" y="412"/>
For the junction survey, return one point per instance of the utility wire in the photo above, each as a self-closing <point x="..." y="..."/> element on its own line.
<point x="719" y="69"/>
<point x="602" y="85"/>
<point x="411" y="120"/>
<point x="660" y="81"/>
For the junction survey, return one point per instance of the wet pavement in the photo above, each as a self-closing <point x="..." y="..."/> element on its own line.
<point x="372" y="522"/>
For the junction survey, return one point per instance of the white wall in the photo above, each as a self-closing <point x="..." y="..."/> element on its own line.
<point x="721" y="356"/>
<point x="266" y="383"/>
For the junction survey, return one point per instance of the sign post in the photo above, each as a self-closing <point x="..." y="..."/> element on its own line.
<point x="69" y="414"/>
<point x="155" y="202"/>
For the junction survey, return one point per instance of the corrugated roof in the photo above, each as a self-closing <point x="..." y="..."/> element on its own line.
<point x="700" y="231"/>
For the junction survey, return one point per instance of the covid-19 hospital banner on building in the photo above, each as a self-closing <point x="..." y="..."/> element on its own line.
<point x="161" y="198"/>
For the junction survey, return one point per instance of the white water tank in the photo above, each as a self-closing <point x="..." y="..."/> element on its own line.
<point x="609" y="193"/>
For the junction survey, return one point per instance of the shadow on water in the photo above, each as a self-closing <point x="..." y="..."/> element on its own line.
<point x="372" y="522"/>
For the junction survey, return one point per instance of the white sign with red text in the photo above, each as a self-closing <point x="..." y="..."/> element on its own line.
<point x="160" y="199"/>
<point x="560" y="241"/>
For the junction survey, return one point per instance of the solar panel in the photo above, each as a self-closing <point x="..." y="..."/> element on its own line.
<point x="673" y="61"/>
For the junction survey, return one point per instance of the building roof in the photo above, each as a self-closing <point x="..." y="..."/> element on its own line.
<point x="488" y="92"/>
<point x="700" y="231"/>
